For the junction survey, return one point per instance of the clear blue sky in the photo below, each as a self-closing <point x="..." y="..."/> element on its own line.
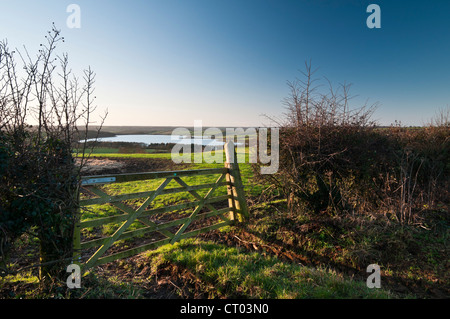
<point x="226" y="62"/>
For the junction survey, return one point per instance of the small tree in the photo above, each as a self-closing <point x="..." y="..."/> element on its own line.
<point x="42" y="104"/>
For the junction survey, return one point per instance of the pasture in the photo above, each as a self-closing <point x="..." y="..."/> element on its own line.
<point x="277" y="254"/>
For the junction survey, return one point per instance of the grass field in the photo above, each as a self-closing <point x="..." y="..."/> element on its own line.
<point x="275" y="255"/>
<point x="227" y="270"/>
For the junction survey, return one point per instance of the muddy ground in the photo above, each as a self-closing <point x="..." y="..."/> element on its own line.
<point x="103" y="166"/>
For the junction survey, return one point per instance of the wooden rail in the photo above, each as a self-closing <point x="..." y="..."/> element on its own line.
<point x="172" y="230"/>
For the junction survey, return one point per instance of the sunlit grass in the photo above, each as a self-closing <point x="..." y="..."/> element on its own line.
<point x="235" y="273"/>
<point x="171" y="199"/>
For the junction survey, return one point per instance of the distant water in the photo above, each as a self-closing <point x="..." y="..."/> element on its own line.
<point x="157" y="139"/>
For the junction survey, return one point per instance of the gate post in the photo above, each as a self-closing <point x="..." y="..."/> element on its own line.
<point x="236" y="190"/>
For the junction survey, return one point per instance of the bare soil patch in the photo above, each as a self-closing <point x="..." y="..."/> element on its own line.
<point x="111" y="165"/>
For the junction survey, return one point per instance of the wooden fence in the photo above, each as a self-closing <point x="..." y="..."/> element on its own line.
<point x="93" y="251"/>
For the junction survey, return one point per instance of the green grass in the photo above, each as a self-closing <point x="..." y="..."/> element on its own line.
<point x="247" y="175"/>
<point x="140" y="186"/>
<point x="27" y="286"/>
<point x="235" y="273"/>
<point x="99" y="211"/>
<point x="226" y="271"/>
<point x="207" y="156"/>
<point x="408" y="256"/>
<point x="138" y="155"/>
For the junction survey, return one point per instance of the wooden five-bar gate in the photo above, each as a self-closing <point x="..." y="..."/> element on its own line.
<point x="90" y="252"/>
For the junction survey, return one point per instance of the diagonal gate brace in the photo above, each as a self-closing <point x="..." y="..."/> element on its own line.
<point x="128" y="210"/>
<point x="110" y="240"/>
<point x="197" y="209"/>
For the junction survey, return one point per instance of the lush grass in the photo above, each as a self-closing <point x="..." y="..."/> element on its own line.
<point x="223" y="272"/>
<point x="95" y="211"/>
<point x="235" y="273"/>
<point x="138" y="155"/>
<point x="247" y="175"/>
<point x="141" y="186"/>
<point x="99" y="211"/>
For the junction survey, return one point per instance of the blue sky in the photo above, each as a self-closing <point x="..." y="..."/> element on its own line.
<point x="227" y="62"/>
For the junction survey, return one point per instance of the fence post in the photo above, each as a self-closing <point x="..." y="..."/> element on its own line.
<point x="237" y="188"/>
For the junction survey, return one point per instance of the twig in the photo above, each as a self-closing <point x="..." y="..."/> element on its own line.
<point x="249" y="242"/>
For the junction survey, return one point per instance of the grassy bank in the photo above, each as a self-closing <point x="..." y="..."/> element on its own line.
<point x="230" y="272"/>
<point x="206" y="269"/>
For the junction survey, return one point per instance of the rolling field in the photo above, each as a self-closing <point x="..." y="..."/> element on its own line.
<point x="342" y="246"/>
<point x="275" y="255"/>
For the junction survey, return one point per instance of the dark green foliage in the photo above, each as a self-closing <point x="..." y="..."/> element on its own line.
<point x="37" y="189"/>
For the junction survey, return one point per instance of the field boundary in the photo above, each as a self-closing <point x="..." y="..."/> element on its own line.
<point x="173" y="230"/>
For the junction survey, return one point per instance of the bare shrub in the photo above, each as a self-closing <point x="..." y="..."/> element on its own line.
<point x="323" y="140"/>
<point x="335" y="160"/>
<point x="42" y="103"/>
